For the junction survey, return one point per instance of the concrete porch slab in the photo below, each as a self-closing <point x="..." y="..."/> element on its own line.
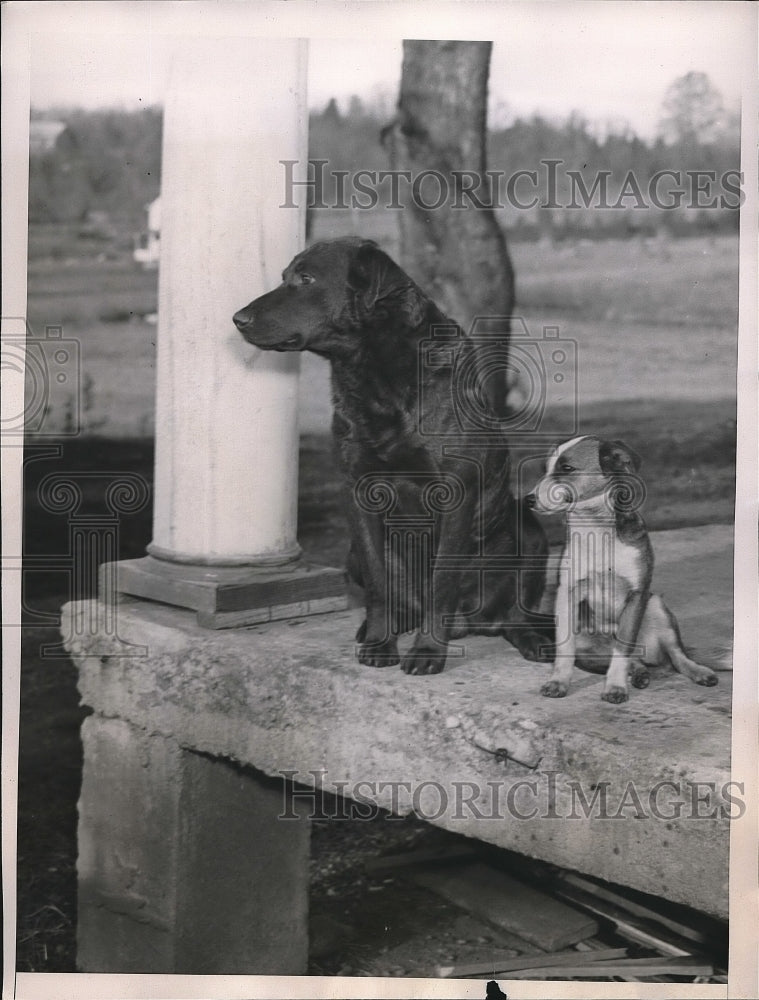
<point x="637" y="794"/>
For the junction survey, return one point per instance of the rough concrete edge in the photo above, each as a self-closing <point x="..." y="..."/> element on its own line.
<point x="265" y="746"/>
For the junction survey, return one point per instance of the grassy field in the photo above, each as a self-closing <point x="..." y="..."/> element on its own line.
<point x="647" y="324"/>
<point x="655" y="330"/>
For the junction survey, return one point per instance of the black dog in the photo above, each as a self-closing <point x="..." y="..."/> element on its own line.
<point x="439" y="543"/>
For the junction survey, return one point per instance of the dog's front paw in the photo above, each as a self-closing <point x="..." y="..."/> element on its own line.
<point x="383" y="653"/>
<point x="554" y="689"/>
<point x="535" y="644"/>
<point x="361" y="631"/>
<point x="424" y="658"/>
<point x="538" y="647"/>
<point x="615" y="695"/>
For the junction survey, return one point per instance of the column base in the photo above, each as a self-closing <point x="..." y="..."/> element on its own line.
<point x="228" y="597"/>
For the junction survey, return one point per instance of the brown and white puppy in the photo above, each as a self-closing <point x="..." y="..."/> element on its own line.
<point x="607" y="619"/>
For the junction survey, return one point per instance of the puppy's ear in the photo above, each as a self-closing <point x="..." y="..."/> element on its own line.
<point x="626" y="492"/>
<point x="379" y="284"/>
<point x="616" y="457"/>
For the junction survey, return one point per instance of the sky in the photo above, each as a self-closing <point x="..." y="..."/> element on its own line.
<point x="611" y="61"/>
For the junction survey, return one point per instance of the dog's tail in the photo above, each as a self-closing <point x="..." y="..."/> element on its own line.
<point x="721" y="659"/>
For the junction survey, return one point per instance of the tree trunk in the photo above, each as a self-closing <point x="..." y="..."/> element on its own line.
<point x="457" y="255"/>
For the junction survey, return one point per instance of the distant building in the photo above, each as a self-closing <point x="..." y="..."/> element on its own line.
<point x="43" y="135"/>
<point x="147" y="244"/>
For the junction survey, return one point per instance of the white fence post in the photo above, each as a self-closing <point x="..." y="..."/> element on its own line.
<point x="226" y="471"/>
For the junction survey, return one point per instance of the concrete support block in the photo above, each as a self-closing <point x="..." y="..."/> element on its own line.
<point x="184" y="866"/>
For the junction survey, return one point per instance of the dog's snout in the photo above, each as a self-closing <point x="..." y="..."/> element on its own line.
<point x="243" y="320"/>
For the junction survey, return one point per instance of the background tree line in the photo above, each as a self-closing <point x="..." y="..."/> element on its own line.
<point x="104" y="161"/>
<point x="108" y="161"/>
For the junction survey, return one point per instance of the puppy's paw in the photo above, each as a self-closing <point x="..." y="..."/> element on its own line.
<point x="639" y="677"/>
<point x="424" y="659"/>
<point x="379" y="654"/>
<point x="554" y="689"/>
<point x="615" y="695"/>
<point x="706" y="679"/>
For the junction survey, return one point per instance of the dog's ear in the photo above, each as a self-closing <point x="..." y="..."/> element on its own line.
<point x="616" y="456"/>
<point x="379" y="284"/>
<point x="626" y="491"/>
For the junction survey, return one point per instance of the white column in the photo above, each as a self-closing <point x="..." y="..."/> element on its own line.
<point x="226" y="417"/>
